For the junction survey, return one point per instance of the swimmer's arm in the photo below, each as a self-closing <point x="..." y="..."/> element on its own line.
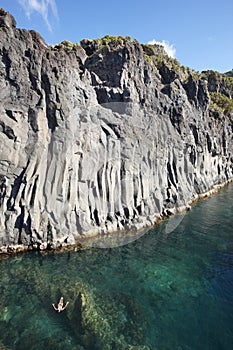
<point x="55" y="307"/>
<point x="65" y="306"/>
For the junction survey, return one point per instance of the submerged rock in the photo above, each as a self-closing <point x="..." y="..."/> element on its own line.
<point x="98" y="137"/>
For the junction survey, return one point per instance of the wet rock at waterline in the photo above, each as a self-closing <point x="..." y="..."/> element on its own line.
<point x="99" y="137"/>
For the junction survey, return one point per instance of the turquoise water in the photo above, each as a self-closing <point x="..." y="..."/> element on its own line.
<point x="163" y="291"/>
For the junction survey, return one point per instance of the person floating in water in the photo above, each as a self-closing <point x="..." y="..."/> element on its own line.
<point x="60" y="306"/>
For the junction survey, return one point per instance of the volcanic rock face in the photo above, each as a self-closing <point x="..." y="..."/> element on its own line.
<point x="95" y="139"/>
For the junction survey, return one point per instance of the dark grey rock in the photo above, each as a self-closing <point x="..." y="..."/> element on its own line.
<point x="95" y="139"/>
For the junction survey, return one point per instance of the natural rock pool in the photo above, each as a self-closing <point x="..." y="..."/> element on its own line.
<point x="170" y="289"/>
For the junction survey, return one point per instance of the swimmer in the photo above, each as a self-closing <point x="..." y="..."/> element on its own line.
<point x="60" y="306"/>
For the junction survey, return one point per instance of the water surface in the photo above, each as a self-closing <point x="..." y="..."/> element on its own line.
<point x="163" y="291"/>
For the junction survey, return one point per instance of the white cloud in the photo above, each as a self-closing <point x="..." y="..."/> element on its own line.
<point x="169" y="48"/>
<point x="42" y="7"/>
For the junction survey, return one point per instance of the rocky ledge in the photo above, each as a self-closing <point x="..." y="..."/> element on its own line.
<point x="103" y="135"/>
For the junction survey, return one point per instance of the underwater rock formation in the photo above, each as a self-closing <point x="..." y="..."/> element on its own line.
<point x="101" y="136"/>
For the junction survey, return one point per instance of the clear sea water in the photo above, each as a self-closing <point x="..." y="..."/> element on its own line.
<point x="169" y="289"/>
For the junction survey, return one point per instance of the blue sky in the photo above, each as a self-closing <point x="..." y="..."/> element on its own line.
<point x="199" y="33"/>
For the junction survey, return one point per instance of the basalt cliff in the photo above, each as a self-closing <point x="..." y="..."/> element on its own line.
<point x="103" y="135"/>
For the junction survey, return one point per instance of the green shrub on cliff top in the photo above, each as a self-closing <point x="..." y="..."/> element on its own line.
<point x="108" y="40"/>
<point x="157" y="56"/>
<point x="102" y="45"/>
<point x="214" y="77"/>
<point x="112" y="41"/>
<point x="66" y="45"/>
<point x="221" y="103"/>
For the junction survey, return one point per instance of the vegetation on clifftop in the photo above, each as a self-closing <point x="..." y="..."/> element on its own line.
<point x="220" y="85"/>
<point x="221" y="103"/>
<point x="220" y="88"/>
<point x="216" y="79"/>
<point x="66" y="45"/>
<point x="157" y="56"/>
<point x="110" y="40"/>
<point x="114" y="42"/>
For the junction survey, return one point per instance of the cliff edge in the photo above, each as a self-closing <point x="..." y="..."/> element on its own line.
<point x="103" y="135"/>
